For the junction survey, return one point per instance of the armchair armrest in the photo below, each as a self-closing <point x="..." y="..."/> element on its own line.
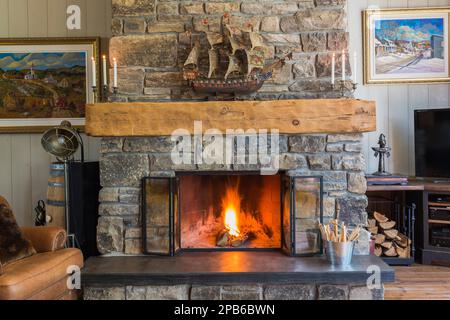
<point x="46" y="239"/>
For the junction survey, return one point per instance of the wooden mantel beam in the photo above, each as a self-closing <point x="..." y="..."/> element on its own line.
<point x="288" y="116"/>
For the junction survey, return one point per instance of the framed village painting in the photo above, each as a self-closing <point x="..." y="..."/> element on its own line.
<point x="43" y="81"/>
<point x="406" y="45"/>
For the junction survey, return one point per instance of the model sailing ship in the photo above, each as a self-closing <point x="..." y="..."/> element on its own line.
<point x="246" y="55"/>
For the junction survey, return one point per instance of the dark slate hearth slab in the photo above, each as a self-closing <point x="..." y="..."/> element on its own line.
<point x="227" y="267"/>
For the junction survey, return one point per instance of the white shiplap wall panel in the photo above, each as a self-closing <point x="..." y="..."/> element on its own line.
<point x="37" y="23"/>
<point x="57" y="23"/>
<point x="83" y="6"/>
<point x="5" y="166"/>
<point x="21" y="178"/>
<point x="18" y="18"/>
<point x="4" y="18"/>
<point x="398" y="127"/>
<point x="23" y="163"/>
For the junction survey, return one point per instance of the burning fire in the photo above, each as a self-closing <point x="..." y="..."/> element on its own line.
<point x="231" y="222"/>
<point x="232" y="203"/>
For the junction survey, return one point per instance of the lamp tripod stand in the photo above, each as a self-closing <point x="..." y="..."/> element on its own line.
<point x="63" y="142"/>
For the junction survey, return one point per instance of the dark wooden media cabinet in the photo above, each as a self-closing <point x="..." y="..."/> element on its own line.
<point x="431" y="224"/>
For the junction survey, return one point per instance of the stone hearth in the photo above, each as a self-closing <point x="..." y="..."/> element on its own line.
<point x="230" y="276"/>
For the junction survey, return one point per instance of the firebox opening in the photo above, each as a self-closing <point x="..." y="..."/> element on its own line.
<point x="230" y="211"/>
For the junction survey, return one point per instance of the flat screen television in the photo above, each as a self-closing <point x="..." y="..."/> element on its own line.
<point x="432" y="143"/>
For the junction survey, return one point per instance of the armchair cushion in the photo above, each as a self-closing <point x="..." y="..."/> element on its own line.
<point x="41" y="276"/>
<point x="13" y="245"/>
<point x="45" y="239"/>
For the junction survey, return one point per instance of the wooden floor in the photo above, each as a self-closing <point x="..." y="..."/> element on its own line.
<point x="419" y="282"/>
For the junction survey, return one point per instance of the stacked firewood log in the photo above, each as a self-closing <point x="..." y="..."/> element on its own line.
<point x="389" y="242"/>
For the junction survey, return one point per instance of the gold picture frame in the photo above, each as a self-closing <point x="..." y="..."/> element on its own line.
<point x="49" y="74"/>
<point x="406" y="45"/>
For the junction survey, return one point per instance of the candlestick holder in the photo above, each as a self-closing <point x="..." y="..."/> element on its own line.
<point x="105" y="92"/>
<point x="346" y="88"/>
<point x="95" y="92"/>
<point x="110" y="95"/>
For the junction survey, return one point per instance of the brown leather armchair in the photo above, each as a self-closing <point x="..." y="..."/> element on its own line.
<point x="42" y="276"/>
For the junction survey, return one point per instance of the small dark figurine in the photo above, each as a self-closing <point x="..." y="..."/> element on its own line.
<point x="382" y="152"/>
<point x="40" y="214"/>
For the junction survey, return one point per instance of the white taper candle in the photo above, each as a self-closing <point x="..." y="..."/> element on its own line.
<point x="94" y="73"/>
<point x="343" y="65"/>
<point x="355" y="66"/>
<point x="105" y="77"/>
<point x="115" y="72"/>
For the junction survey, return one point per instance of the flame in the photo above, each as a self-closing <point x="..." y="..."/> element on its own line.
<point x="231" y="222"/>
<point x="232" y="203"/>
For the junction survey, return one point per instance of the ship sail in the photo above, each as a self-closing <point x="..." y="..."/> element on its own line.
<point x="256" y="40"/>
<point x="255" y="58"/>
<point x="214" y="38"/>
<point x="236" y="39"/>
<point x="213" y="62"/>
<point x="192" y="60"/>
<point x="234" y="65"/>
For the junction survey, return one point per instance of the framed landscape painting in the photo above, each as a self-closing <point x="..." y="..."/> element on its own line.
<point x="406" y="45"/>
<point x="43" y="81"/>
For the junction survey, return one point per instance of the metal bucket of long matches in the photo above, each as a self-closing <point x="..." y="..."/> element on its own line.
<point x="339" y="253"/>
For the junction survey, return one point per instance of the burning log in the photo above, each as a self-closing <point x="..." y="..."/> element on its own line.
<point x="239" y="242"/>
<point x="225" y="239"/>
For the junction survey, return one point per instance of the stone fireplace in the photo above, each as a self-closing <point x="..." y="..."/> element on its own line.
<point x="219" y="226"/>
<point x="126" y="162"/>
